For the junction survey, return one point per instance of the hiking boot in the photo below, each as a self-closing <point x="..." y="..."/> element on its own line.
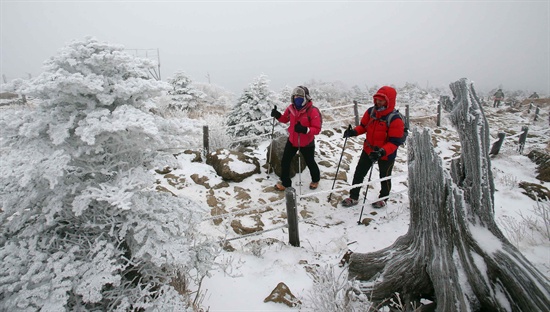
<point x="379" y="204"/>
<point x="313" y="185"/>
<point x="279" y="187"/>
<point x="348" y="202"/>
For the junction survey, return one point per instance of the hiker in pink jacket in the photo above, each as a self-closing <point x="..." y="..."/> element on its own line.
<point x="305" y="123"/>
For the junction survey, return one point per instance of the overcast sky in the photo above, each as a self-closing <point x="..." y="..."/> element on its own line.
<point x="364" y="43"/>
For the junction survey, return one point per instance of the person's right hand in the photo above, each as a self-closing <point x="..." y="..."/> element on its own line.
<point x="275" y="113"/>
<point x="350" y="133"/>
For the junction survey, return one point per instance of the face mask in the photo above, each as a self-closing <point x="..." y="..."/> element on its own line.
<point x="299" y="102"/>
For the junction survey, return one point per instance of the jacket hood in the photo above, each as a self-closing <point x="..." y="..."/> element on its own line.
<point x="389" y="94"/>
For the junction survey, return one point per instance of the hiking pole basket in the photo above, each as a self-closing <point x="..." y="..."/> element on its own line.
<point x="338" y="168"/>
<point x="366" y="192"/>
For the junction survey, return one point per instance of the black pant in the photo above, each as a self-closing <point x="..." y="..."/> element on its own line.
<point x="384" y="166"/>
<point x="308" y="152"/>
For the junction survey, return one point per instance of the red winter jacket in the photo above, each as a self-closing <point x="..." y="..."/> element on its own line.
<point x="377" y="130"/>
<point x="309" y="116"/>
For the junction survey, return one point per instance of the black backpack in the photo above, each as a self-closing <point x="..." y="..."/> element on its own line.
<point x="389" y="118"/>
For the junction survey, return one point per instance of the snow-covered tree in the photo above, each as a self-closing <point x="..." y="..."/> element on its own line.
<point x="255" y="103"/>
<point x="285" y="94"/>
<point x="183" y="96"/>
<point x="81" y="227"/>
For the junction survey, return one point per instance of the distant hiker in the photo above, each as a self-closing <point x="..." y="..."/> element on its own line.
<point x="499" y="96"/>
<point x="534" y="96"/>
<point x="305" y="123"/>
<point x="380" y="145"/>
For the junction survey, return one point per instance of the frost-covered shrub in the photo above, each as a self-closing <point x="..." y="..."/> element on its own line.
<point x="81" y="227"/>
<point x="216" y="95"/>
<point x="254" y="104"/>
<point x="334" y="292"/>
<point x="184" y="97"/>
<point x="217" y="136"/>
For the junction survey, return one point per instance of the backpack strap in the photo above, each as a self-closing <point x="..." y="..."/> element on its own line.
<point x="318" y="112"/>
<point x="391" y="116"/>
<point x="388" y="118"/>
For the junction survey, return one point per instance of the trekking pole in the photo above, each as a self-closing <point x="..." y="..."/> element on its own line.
<point x="365" y="198"/>
<point x="299" y="166"/>
<point x="271" y="146"/>
<point x="338" y="168"/>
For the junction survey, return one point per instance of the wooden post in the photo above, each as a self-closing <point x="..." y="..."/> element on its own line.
<point x="537" y="111"/>
<point x="356" y="112"/>
<point x="439" y="114"/>
<point x="445" y="102"/>
<point x="522" y="139"/>
<point x="530" y="107"/>
<point x="498" y="144"/>
<point x="205" y="142"/>
<point x="407" y="116"/>
<point x="292" y="217"/>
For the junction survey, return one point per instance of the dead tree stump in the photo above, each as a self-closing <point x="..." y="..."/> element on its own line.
<point x="453" y="252"/>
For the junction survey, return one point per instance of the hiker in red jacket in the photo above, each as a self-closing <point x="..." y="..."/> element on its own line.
<point x="380" y="145"/>
<point x="305" y="123"/>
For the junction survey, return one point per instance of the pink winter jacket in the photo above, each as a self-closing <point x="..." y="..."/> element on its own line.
<point x="309" y="116"/>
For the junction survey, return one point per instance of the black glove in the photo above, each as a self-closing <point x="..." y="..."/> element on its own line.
<point x="299" y="128"/>
<point x="275" y="113"/>
<point x="377" y="154"/>
<point x="350" y="133"/>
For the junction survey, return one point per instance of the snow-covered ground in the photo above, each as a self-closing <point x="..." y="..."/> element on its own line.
<point x="248" y="274"/>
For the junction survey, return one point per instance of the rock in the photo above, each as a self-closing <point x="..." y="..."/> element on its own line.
<point x="200" y="180"/>
<point x="277" y="154"/>
<point x="282" y="294"/>
<point x="243" y="230"/>
<point x="535" y="191"/>
<point x="197" y="155"/>
<point x="165" y="170"/>
<point x="542" y="159"/>
<point x="366" y="221"/>
<point x="233" y="165"/>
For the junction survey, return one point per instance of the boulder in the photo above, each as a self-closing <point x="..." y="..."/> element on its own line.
<point x="233" y="165"/>
<point x="274" y="162"/>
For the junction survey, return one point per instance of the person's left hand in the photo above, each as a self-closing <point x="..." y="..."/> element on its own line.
<point x="377" y="154"/>
<point x="299" y="128"/>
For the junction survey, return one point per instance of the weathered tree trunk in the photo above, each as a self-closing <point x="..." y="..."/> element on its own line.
<point x="453" y="253"/>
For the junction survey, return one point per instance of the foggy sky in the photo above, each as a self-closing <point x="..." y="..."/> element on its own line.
<point x="493" y="43"/>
